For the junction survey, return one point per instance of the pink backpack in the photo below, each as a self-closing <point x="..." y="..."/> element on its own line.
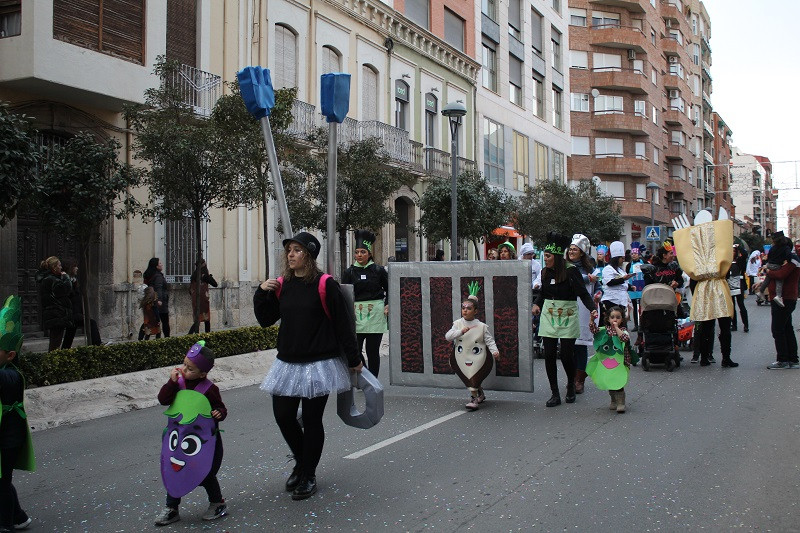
<point x="322" y="292"/>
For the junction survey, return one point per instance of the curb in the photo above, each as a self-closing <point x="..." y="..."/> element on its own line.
<point x="69" y="403"/>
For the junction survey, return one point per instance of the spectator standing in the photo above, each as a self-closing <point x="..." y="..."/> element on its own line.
<point x="154" y="277"/>
<point x="77" y="312"/>
<point x="753" y="266"/>
<point x="55" y="289"/>
<point x="201" y="307"/>
<point x="782" y="330"/>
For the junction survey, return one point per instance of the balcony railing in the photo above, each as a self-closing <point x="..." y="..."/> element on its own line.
<point x="437" y="162"/>
<point x="395" y="140"/>
<point x="303" y="123"/>
<point x="198" y="88"/>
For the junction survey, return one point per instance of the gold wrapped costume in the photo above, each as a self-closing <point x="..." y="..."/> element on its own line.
<point x="705" y="253"/>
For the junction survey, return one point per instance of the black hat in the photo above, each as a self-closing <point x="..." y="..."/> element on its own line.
<point x="364" y="239"/>
<point x="556" y="243"/>
<point x="308" y="241"/>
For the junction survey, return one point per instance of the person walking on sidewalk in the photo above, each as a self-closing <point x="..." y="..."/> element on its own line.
<point x="782" y="330"/>
<point x="201" y="304"/>
<point x="154" y="277"/>
<point x="309" y="366"/>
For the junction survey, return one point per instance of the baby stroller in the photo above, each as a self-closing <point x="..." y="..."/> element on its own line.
<point x="658" y="327"/>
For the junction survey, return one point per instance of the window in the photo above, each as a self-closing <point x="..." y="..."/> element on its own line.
<point x="557" y="6"/>
<point x="605" y="105"/>
<point x="637" y="24"/>
<point x="515" y="18"/>
<point x="453" y="30"/>
<point x="653" y="76"/>
<point x="181" y="246"/>
<point x="182" y="33"/>
<point x="677" y="172"/>
<point x="579" y="102"/>
<point x="431" y="114"/>
<point x="696" y="54"/>
<point x="676" y="35"/>
<point x="656" y="156"/>
<point x="515" y="86"/>
<point x="489" y="8"/>
<point x="330" y="60"/>
<point x="580" y="146"/>
<point x="541" y="162"/>
<point x="521" y="157"/>
<point x="614" y="188"/>
<point x="612" y="62"/>
<point x="653" y="36"/>
<point x="577" y="17"/>
<point x="638" y="66"/>
<point x="537" y="39"/>
<point x="369" y="93"/>
<point x="489" y="70"/>
<point x="558" y="166"/>
<point x="641" y="191"/>
<point x="655" y="115"/>
<point x="10" y="18"/>
<point x="601" y="19"/>
<point x="639" y="108"/>
<point x="639" y="149"/>
<point x="578" y="59"/>
<point x="607" y="148"/>
<point x="694" y="24"/>
<point x="558" y="106"/>
<point x="676" y="69"/>
<point x="678" y="137"/>
<point x="108" y="26"/>
<point x="401" y="94"/>
<point x="555" y="38"/>
<point x="493" y="156"/>
<point x="419" y="12"/>
<point x="285" y="71"/>
<point x="538" y="95"/>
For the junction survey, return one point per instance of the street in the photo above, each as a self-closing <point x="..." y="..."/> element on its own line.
<point x="707" y="448"/>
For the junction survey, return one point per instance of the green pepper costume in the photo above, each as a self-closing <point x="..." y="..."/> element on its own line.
<point x="607" y="366"/>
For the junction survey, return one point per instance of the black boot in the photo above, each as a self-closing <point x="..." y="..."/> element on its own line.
<point x="554" y="400"/>
<point x="727" y="362"/>
<point x="570" y="397"/>
<point x="704" y="361"/>
<point x="306" y="488"/>
<point x="294" y="478"/>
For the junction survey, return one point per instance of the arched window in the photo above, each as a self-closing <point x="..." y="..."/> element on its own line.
<point x="369" y="93"/>
<point x="284" y="75"/>
<point x="330" y="60"/>
<point x="401" y="92"/>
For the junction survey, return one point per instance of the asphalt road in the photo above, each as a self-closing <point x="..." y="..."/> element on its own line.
<point x="699" y="449"/>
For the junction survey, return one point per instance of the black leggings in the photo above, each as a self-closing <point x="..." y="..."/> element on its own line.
<point x="739" y="300"/>
<point x="373" y="361"/>
<point x="306" y="443"/>
<point x="164" y="323"/>
<point x="196" y="327"/>
<point x="567" y="360"/>
<point x="10" y="511"/>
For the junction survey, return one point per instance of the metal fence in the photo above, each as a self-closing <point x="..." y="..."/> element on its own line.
<point x="198" y="88"/>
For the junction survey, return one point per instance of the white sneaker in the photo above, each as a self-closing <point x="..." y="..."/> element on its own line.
<point x="778" y="300"/>
<point x="23" y="525"/>
<point x="215" y="510"/>
<point x="168" y="516"/>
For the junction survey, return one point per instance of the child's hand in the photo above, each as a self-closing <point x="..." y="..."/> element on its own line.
<point x="465" y="329"/>
<point x="496" y="355"/>
<point x="175" y="374"/>
<point x="593" y="314"/>
<point x="216" y="415"/>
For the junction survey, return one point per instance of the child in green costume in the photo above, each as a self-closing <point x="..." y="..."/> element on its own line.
<point x="16" y="449"/>
<point x="610" y="365"/>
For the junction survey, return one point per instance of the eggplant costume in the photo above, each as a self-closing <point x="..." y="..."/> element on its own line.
<point x="607" y="366"/>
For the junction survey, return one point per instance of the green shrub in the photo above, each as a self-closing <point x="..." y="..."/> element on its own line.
<point x="88" y="362"/>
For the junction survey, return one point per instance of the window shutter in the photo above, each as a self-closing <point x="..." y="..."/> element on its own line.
<point x="369" y="93"/>
<point x="123" y="29"/>
<point x="182" y="31"/>
<point x="77" y="22"/>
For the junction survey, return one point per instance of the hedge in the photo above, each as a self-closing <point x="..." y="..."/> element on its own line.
<point x="88" y="362"/>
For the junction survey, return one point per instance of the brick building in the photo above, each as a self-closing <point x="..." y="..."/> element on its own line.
<point x="793" y="231"/>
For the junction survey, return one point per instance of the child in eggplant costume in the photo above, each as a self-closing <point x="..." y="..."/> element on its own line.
<point x="472" y="341"/>
<point x="610" y="365"/>
<point x="191" y="448"/>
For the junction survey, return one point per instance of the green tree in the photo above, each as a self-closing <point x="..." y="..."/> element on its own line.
<point x="242" y="133"/>
<point x="481" y="208"/>
<point x="754" y="241"/>
<point x="365" y="181"/>
<point x="19" y="155"/>
<point x="555" y="206"/>
<point x="81" y="186"/>
<point x="191" y="168"/>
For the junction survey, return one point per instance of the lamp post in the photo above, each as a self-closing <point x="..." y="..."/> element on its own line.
<point x="454" y="111"/>
<point x="652" y="187"/>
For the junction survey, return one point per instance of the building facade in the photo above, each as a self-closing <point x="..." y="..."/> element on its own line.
<point x="753" y="195"/>
<point x="793" y="228"/>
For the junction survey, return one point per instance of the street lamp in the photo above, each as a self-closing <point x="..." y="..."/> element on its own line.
<point x="454" y="111"/>
<point x="653" y="187"/>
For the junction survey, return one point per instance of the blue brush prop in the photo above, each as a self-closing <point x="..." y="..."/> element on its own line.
<point x="335" y="96"/>
<point x="255" y="84"/>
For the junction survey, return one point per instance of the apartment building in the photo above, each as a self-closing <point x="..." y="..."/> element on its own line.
<point x="631" y="106"/>
<point x="521" y="104"/>
<point x="720" y="181"/>
<point x="793" y="228"/>
<point x="753" y="193"/>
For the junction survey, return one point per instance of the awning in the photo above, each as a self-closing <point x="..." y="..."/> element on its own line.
<point x="506" y="231"/>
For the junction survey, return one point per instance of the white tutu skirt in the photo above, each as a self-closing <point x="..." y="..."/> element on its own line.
<point x="307" y="380"/>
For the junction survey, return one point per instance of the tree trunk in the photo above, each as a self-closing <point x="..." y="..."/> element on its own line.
<point x="342" y="251"/>
<point x="264" y="209"/>
<point x="83" y="280"/>
<point x="477" y="251"/>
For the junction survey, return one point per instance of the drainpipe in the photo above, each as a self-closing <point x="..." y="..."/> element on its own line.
<point x="128" y="235"/>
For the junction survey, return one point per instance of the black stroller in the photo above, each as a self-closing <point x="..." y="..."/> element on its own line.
<point x="658" y="328"/>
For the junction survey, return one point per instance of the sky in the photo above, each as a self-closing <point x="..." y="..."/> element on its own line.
<point x="755" y="55"/>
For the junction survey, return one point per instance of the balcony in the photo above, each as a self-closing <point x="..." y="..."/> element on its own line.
<point x="200" y="90"/>
<point x="674" y="116"/>
<point x="678" y="152"/>
<point x="615" y="79"/>
<point x="633" y="6"/>
<point x="671" y="12"/>
<point x="672" y="47"/>
<point x="396" y="144"/>
<point x="707" y="99"/>
<point x="618" y="122"/>
<point x="303" y="121"/>
<point x="639" y="208"/>
<point x="622" y="166"/>
<point x="708" y="130"/>
<point x="708" y="158"/>
<point x="437" y="163"/>
<point x="615" y="36"/>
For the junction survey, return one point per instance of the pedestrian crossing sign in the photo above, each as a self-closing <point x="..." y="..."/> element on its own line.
<point x="652" y="233"/>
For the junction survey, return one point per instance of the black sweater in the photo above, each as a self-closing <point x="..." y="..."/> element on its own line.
<point x="665" y="274"/>
<point x="569" y="289"/>
<point x="12" y="389"/>
<point x="369" y="283"/>
<point x="306" y="334"/>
